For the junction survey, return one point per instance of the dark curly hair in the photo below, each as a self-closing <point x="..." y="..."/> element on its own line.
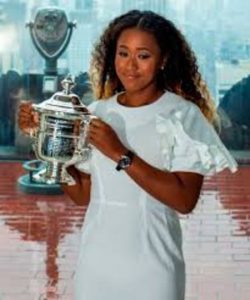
<point x="179" y="75"/>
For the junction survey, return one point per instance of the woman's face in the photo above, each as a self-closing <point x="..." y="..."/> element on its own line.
<point x="137" y="60"/>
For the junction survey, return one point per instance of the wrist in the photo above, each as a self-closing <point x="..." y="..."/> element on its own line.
<point x="125" y="160"/>
<point x="118" y="154"/>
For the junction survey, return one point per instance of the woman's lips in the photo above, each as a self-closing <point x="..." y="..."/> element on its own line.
<point x="131" y="76"/>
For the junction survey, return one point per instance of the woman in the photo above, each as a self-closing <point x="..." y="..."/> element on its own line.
<point x="153" y="143"/>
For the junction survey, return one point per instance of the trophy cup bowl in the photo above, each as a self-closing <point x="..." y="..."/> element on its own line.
<point x="61" y="136"/>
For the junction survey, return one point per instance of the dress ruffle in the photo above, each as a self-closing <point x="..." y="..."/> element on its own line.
<point x="204" y="154"/>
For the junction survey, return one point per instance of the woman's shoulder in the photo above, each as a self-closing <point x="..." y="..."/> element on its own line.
<point x="187" y="115"/>
<point x="98" y="105"/>
<point x="181" y="106"/>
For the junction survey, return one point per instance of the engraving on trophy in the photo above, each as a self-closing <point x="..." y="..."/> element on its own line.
<point x="57" y="141"/>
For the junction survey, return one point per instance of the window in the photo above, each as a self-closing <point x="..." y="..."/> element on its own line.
<point x="220" y="41"/>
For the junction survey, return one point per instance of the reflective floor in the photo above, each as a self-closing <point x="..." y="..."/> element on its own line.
<point x="39" y="238"/>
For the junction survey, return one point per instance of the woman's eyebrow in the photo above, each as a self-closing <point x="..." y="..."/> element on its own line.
<point x="138" y="48"/>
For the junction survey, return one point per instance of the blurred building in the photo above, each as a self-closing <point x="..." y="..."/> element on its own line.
<point x="228" y="74"/>
<point x="12" y="14"/>
<point x="79" y="49"/>
<point x="201" y="22"/>
<point x="163" y="7"/>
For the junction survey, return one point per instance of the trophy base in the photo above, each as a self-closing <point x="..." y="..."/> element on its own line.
<point x="28" y="187"/>
<point x="54" y="173"/>
<point x="34" y="182"/>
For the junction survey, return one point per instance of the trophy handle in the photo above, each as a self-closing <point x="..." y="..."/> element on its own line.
<point x="34" y="141"/>
<point x="83" y="148"/>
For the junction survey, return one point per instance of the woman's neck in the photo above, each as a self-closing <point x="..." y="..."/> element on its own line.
<point x="139" y="98"/>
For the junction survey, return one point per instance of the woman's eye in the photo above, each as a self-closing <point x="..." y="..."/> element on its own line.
<point x="143" y="56"/>
<point x="122" y="54"/>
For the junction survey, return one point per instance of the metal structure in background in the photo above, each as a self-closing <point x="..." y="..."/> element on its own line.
<point x="51" y="33"/>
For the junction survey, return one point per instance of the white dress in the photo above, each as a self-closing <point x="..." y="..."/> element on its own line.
<point x="131" y="246"/>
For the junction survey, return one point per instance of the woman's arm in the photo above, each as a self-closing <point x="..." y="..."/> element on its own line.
<point x="178" y="190"/>
<point x="80" y="192"/>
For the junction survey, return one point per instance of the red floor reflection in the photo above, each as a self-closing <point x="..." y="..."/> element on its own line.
<point x="45" y="220"/>
<point x="235" y="197"/>
<point x="217" y="239"/>
<point x="40" y="235"/>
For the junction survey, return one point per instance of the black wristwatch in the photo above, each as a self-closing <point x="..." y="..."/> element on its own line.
<point x="125" y="161"/>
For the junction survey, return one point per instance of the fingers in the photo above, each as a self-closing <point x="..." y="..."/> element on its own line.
<point x="28" y="119"/>
<point x="35" y="117"/>
<point x="97" y="131"/>
<point x="77" y="125"/>
<point x="97" y="123"/>
<point x="25" y="106"/>
<point x="96" y="128"/>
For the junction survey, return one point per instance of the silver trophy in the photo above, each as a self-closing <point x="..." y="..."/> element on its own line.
<point x="61" y="136"/>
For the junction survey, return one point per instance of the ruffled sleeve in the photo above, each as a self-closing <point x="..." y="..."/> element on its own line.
<point x="190" y="143"/>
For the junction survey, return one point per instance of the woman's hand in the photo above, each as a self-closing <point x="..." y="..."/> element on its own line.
<point x="79" y="192"/>
<point x="28" y="119"/>
<point x="104" y="138"/>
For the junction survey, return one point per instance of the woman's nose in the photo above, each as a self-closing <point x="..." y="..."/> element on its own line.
<point x="132" y="63"/>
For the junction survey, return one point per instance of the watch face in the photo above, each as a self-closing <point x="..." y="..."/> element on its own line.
<point x="125" y="162"/>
